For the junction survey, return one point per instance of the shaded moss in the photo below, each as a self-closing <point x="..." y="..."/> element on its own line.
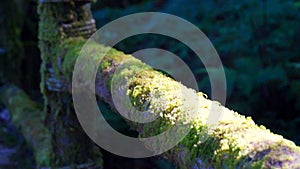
<point x="29" y="118"/>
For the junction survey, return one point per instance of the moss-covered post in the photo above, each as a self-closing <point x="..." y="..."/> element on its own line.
<point x="61" y="20"/>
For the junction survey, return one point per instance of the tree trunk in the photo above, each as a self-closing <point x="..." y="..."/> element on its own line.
<point x="61" y="19"/>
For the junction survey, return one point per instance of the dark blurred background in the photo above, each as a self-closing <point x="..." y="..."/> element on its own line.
<point x="258" y="42"/>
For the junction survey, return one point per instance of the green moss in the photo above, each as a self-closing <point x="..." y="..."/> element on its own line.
<point x="69" y="51"/>
<point x="257" y="165"/>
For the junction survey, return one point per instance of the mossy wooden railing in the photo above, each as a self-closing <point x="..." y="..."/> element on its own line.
<point x="234" y="142"/>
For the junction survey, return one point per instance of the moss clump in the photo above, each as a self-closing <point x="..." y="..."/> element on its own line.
<point x="69" y="51"/>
